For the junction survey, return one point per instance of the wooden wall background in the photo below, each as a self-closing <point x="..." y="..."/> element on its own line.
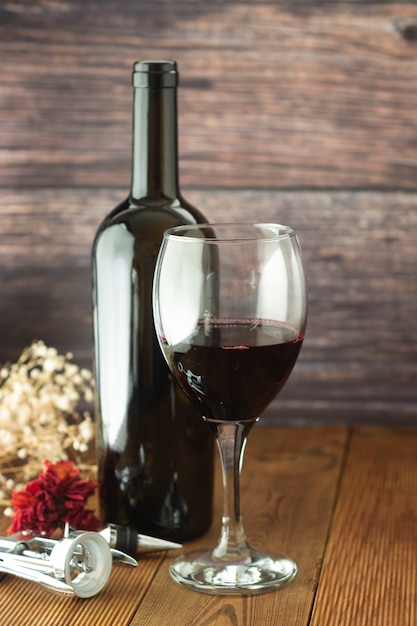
<point x="291" y="110"/>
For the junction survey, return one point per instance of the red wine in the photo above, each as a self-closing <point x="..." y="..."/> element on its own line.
<point x="233" y="369"/>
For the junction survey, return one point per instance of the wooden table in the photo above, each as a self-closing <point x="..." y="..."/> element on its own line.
<point x="341" y="501"/>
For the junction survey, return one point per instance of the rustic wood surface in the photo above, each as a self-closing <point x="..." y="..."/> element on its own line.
<point x="287" y="94"/>
<point x="289" y="111"/>
<point x="339" y="500"/>
<point x="359" y="359"/>
<point x="369" y="570"/>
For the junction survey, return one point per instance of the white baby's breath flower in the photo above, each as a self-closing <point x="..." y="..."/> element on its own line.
<point x="88" y="395"/>
<point x="39" y="396"/>
<point x="71" y="370"/>
<point x="24" y="412"/>
<point x="63" y="403"/>
<point x="7" y="438"/>
<point x="34" y="374"/>
<point x="4" y="413"/>
<point x="49" y="365"/>
<point x="86" y="374"/>
<point x="39" y="349"/>
<point x="77" y="379"/>
<point x="86" y="429"/>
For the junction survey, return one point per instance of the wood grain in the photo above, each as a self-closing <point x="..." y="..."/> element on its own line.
<point x="116" y="604"/>
<point x="277" y="94"/>
<point x="359" y="359"/>
<point x="369" y="571"/>
<point x="289" y="487"/>
<point x="341" y="502"/>
<point x="289" y="514"/>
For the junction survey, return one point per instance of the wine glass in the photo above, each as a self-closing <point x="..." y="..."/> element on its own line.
<point x="230" y="312"/>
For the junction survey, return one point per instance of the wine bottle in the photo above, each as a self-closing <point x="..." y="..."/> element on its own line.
<point x="155" y="453"/>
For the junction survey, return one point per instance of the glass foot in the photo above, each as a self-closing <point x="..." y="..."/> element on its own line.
<point x="258" y="573"/>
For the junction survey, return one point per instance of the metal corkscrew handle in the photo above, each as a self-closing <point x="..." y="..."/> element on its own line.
<point x="79" y="564"/>
<point x="84" y="562"/>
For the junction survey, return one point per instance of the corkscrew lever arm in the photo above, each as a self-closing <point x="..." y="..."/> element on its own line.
<point x="52" y="584"/>
<point x="79" y="564"/>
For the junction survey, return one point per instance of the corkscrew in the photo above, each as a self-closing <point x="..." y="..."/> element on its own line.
<point x="78" y="564"/>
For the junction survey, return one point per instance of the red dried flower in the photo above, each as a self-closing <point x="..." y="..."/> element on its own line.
<point x="57" y="496"/>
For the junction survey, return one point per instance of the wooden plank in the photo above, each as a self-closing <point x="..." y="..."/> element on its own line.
<point x="277" y="95"/>
<point x="289" y="483"/>
<point x="369" y="571"/>
<point x="358" y="360"/>
<point x="25" y="603"/>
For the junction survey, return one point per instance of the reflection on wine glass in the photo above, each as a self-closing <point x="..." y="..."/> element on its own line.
<point x="230" y="312"/>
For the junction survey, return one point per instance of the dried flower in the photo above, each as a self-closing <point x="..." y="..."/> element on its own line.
<point x="56" y="497"/>
<point x="45" y="403"/>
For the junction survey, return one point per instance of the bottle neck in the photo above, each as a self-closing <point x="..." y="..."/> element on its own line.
<point x="155" y="144"/>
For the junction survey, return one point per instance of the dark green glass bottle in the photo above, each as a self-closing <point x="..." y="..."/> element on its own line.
<point x="155" y="453"/>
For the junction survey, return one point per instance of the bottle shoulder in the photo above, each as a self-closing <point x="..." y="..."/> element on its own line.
<point x="151" y="216"/>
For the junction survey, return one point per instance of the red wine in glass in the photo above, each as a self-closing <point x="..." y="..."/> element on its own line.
<point x="233" y="369"/>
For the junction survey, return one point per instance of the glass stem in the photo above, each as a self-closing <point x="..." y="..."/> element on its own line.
<point x="231" y="440"/>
